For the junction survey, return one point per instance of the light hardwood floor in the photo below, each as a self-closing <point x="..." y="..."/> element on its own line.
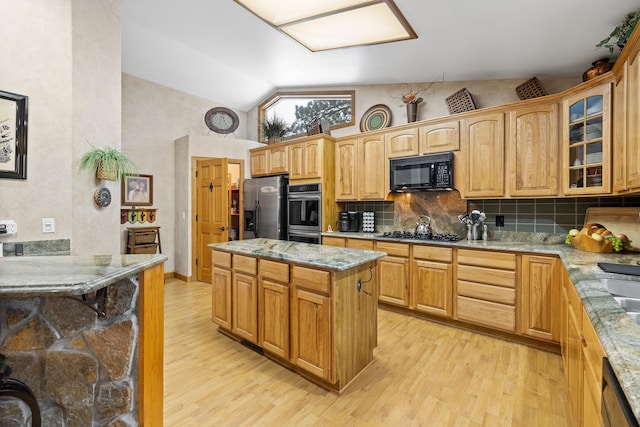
<point x="424" y="374"/>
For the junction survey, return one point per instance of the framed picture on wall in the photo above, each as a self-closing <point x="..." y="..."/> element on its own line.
<point x="13" y="135"/>
<point x="137" y="190"/>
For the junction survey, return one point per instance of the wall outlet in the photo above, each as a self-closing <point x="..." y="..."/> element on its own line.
<point x="19" y="249"/>
<point x="499" y="220"/>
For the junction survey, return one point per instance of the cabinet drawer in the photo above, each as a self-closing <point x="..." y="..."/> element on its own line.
<point x="333" y="241"/>
<point x="315" y="280"/>
<point x="277" y="271"/>
<point x="433" y="253"/>
<point x="489" y="276"/>
<point x="398" y="249"/>
<point x="360" y="244"/>
<point x="487" y="292"/>
<point x="505" y="261"/>
<point x="492" y="314"/>
<point x="221" y="259"/>
<point x="245" y="264"/>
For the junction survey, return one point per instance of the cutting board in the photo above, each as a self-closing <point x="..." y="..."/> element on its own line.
<point x="618" y="220"/>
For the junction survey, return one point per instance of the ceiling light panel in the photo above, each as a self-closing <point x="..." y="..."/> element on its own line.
<point x="362" y="26"/>
<point x="331" y="24"/>
<point x="282" y="12"/>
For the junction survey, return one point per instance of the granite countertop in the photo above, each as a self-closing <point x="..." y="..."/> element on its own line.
<point x="318" y="256"/>
<point x="618" y="333"/>
<point x="27" y="276"/>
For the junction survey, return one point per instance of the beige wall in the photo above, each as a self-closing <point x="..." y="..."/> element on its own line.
<point x="65" y="56"/>
<point x="485" y="93"/>
<point x="153" y="117"/>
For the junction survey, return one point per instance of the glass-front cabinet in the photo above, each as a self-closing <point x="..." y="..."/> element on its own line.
<point x="586" y="137"/>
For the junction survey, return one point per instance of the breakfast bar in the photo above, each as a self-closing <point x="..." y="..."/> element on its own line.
<point x="85" y="334"/>
<point x="310" y="308"/>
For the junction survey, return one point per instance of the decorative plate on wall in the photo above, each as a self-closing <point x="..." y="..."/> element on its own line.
<point x="102" y="197"/>
<point x="376" y="117"/>
<point x="221" y="120"/>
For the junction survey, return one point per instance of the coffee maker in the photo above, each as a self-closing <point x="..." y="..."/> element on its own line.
<point x="348" y="221"/>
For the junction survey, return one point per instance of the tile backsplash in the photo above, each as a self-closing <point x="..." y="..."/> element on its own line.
<point x="547" y="216"/>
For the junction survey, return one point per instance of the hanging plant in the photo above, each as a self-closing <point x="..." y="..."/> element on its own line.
<point x="108" y="162"/>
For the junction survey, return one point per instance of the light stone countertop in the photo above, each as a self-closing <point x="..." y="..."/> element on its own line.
<point x="618" y="333"/>
<point x="30" y="276"/>
<point x="318" y="256"/>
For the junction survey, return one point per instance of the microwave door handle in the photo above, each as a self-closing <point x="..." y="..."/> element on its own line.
<point x="432" y="168"/>
<point x="303" y="213"/>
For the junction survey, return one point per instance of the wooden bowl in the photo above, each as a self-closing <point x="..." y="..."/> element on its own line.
<point x="584" y="242"/>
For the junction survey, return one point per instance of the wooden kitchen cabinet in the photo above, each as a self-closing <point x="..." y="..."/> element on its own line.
<point x="371" y="166"/>
<point x="440" y="137"/>
<point x="221" y="290"/>
<point x="586" y="139"/>
<point x="306" y="160"/>
<point x="394" y="279"/>
<point x="272" y="160"/>
<point x="244" y="299"/>
<point x="258" y="161"/>
<point x="278" y="160"/>
<point x="432" y="280"/>
<point x="339" y="242"/>
<point x="629" y="158"/>
<point x="582" y="355"/>
<point x="402" y="143"/>
<point x="486" y="288"/>
<point x="533" y="151"/>
<point x="619" y="134"/>
<point x="274" y="307"/>
<point x="540" y="292"/>
<point x="358" y="166"/>
<point x="482" y="146"/>
<point x="346" y="161"/>
<point x="311" y="333"/>
<point x="572" y="347"/>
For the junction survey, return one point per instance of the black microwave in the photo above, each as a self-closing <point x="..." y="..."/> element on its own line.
<point x="429" y="172"/>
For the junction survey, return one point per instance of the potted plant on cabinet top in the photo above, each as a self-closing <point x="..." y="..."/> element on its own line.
<point x="621" y="32"/>
<point x="108" y="162"/>
<point x="274" y="129"/>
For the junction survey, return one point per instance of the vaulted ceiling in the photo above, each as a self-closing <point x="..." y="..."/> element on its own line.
<point x="217" y="50"/>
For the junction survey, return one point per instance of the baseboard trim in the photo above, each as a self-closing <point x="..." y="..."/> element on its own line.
<point x="182" y="277"/>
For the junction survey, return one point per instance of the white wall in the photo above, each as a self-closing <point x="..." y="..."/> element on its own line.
<point x="65" y="56"/>
<point x="153" y="117"/>
<point x="185" y="149"/>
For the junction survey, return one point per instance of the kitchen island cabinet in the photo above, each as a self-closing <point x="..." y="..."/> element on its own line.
<point x="316" y="308"/>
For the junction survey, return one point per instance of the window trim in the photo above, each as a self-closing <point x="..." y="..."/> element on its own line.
<point x="276" y="96"/>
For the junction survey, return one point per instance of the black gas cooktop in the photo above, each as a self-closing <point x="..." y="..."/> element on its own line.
<point x="413" y="236"/>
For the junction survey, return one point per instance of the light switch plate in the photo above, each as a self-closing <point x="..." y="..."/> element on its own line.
<point x="48" y="225"/>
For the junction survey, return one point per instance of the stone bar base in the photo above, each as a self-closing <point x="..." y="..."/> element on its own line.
<point x="82" y="368"/>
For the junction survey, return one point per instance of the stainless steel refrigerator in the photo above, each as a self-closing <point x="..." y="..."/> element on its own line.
<point x="265" y="207"/>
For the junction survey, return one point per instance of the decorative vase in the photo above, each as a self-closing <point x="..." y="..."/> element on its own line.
<point x="412" y="112"/>
<point x="600" y="66"/>
<point x="273" y="140"/>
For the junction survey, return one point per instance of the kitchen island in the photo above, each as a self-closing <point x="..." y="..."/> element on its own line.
<point x="85" y="333"/>
<point x="310" y="308"/>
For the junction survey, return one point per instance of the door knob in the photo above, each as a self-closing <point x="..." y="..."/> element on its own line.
<point x="222" y="228"/>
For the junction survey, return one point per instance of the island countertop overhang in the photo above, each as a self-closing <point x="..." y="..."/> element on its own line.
<point x="318" y="256"/>
<point x="68" y="275"/>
